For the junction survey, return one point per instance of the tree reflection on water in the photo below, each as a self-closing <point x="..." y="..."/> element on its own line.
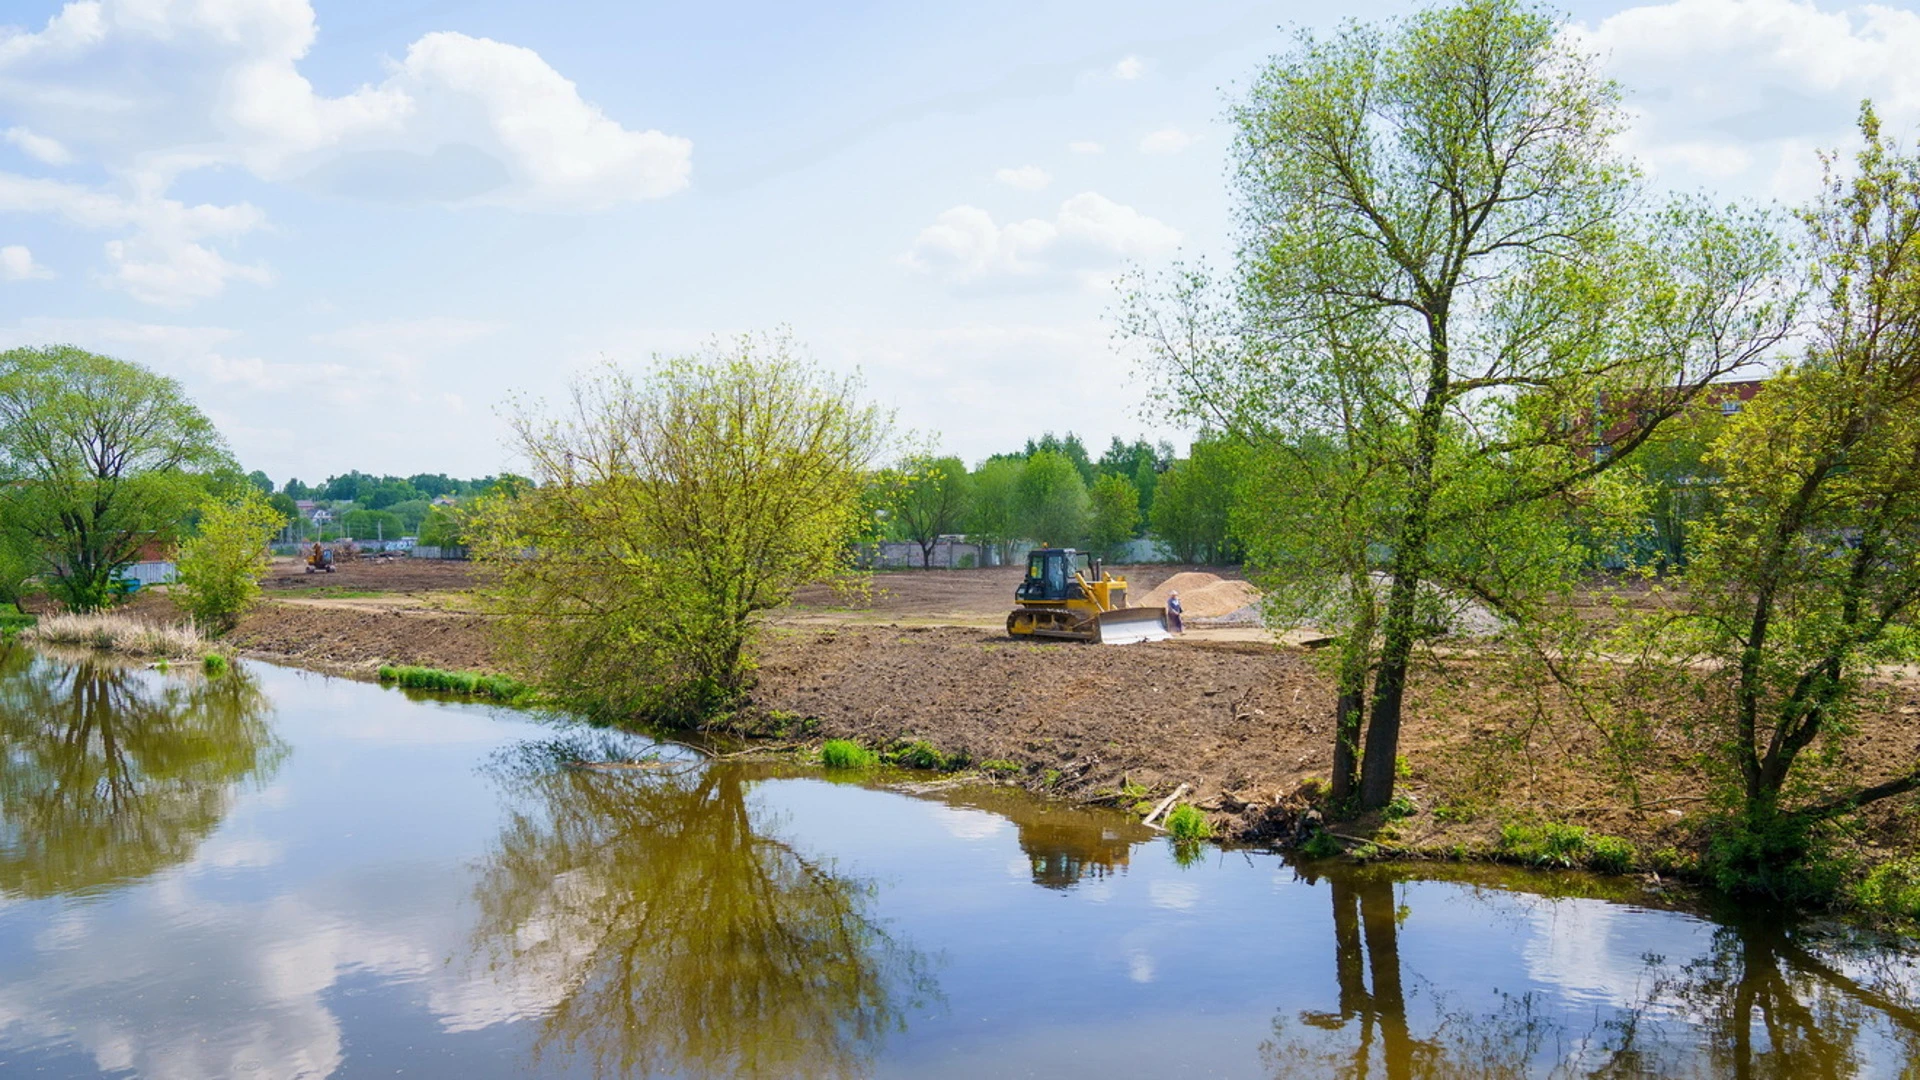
<point x="1765" y="1000"/>
<point x="680" y="935"/>
<point x="112" y="773"/>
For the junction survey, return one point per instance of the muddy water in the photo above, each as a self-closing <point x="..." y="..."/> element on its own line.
<point x="275" y="874"/>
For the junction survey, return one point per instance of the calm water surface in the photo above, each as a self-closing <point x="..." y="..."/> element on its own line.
<point x="276" y="874"/>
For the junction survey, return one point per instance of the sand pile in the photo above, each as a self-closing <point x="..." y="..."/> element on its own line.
<point x="1204" y="596"/>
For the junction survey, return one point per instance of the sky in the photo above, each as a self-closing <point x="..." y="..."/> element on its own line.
<point x="358" y="233"/>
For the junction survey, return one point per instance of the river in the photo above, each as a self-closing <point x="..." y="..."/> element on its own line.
<point x="273" y="873"/>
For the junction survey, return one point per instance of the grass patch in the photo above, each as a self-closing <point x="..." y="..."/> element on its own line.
<point x="214" y="664"/>
<point x="1321" y="845"/>
<point x="12" y="621"/>
<point x="920" y="754"/>
<point x="1565" y="846"/>
<point x="842" y="754"/>
<point x="118" y="633"/>
<point x="1000" y="767"/>
<point x="470" y="683"/>
<point x="1188" y="822"/>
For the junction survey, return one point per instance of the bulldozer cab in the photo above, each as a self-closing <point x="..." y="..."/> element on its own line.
<point x="1050" y="574"/>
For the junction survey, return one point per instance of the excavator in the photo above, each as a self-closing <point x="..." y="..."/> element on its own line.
<point x="1067" y="594"/>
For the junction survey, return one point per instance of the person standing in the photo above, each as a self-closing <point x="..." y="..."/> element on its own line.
<point x="1175" y="622"/>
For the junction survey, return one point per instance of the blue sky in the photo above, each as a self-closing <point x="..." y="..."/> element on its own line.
<point x="353" y="230"/>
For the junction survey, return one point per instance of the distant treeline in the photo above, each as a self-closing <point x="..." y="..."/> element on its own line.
<point x="1054" y="492"/>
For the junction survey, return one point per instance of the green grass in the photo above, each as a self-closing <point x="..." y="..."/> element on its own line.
<point x="213" y="664"/>
<point x="1188" y="822"/>
<point x="841" y="754"/>
<point x="1321" y="845"/>
<point x="12" y="622"/>
<point x="920" y="754"/>
<point x="1566" y="846"/>
<point x="470" y="683"/>
<point x="1000" y="766"/>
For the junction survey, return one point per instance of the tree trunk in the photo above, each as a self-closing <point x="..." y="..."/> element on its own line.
<point x="1409" y="565"/>
<point x="1350" y="711"/>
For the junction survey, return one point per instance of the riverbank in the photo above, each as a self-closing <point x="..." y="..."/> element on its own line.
<point x="1492" y="769"/>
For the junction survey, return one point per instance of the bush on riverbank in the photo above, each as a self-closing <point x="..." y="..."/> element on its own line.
<point x="119" y="633"/>
<point x="842" y="754"/>
<point x="454" y="682"/>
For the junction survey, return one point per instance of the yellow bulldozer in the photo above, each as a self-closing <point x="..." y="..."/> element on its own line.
<point x="1067" y="594"/>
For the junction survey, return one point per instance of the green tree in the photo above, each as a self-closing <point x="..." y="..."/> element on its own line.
<point x="1193" y="505"/>
<point x="297" y="490"/>
<point x="1812" y="554"/>
<point x="18" y="563"/>
<point x="1070" y="448"/>
<point x="1443" y="267"/>
<point x="372" y="525"/>
<point x="1050" y="500"/>
<point x="995" y="519"/>
<point x="1116" y="512"/>
<point x="260" y="482"/>
<point x="220" y="567"/>
<point x="1139" y="462"/>
<point x="671" y="507"/>
<point x="444" y="526"/>
<point x="98" y="457"/>
<point x="934" y="503"/>
<point x="411" y="514"/>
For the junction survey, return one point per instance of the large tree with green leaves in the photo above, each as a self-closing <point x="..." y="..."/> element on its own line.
<point x="934" y="502"/>
<point x="1810" y="556"/>
<point x="671" y="506"/>
<point x="1051" y="500"/>
<point x="995" y="516"/>
<point x="98" y="457"/>
<point x="1444" y="266"/>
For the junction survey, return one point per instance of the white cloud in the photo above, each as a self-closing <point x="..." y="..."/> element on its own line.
<point x="163" y="261"/>
<point x="41" y="148"/>
<point x="459" y="120"/>
<point x="1085" y="146"/>
<point x="1026" y="177"/>
<point x="1165" y="141"/>
<point x="1114" y="229"/>
<point x="1129" y="68"/>
<point x="16" y="264"/>
<point x="965" y="244"/>
<point x="1736" y="94"/>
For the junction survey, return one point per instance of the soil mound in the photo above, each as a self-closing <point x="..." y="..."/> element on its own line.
<point x="1203" y="595"/>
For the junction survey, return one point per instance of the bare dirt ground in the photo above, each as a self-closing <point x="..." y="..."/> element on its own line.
<point x="922" y="656"/>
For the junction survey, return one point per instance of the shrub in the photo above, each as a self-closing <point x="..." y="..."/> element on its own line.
<point x="1321" y="845"/>
<point x="213" y="664"/>
<point x="221" y="566"/>
<point x="1188" y="822"/>
<point x="1892" y="888"/>
<point x="1401" y="807"/>
<point x="842" y="754"/>
<point x="920" y="754"/>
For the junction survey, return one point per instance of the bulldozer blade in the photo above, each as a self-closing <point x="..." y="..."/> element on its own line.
<point x="1124" y="626"/>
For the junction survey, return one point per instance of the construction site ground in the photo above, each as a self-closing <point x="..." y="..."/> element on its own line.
<point x="1242" y="719"/>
